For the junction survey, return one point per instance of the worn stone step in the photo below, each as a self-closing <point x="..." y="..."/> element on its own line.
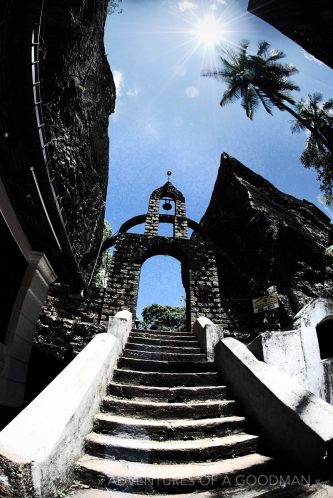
<point x="163" y="430"/>
<point x="162" y="342"/>
<point x="135" y="477"/>
<point x="150" y="451"/>
<point x="164" y="366"/>
<point x="162" y="410"/>
<point x="236" y="491"/>
<point x="154" y="365"/>
<point x="169" y="394"/>
<point x="159" y="379"/>
<point x="162" y="332"/>
<point x="164" y="349"/>
<point x="164" y="335"/>
<point x="157" y="355"/>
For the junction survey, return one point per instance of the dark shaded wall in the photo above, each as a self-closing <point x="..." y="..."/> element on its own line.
<point x="264" y="238"/>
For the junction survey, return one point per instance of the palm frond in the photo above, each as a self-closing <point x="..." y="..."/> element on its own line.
<point x="230" y="95"/>
<point x="263" y="47"/>
<point x="250" y="101"/>
<point x="212" y="73"/>
<point x="266" y="102"/>
<point x="275" y="55"/>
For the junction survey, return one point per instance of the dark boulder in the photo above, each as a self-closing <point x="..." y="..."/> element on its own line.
<point x="265" y="238"/>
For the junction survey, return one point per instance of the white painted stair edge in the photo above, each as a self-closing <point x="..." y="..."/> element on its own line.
<point x="297" y="425"/>
<point x="39" y="448"/>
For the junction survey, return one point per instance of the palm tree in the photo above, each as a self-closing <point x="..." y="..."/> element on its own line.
<point x="261" y="79"/>
<point x="319" y="115"/>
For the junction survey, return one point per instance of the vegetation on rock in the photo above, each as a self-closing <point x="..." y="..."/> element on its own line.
<point x="101" y="274"/>
<point x="114" y="6"/>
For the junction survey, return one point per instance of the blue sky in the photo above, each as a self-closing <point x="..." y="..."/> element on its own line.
<point x="168" y="116"/>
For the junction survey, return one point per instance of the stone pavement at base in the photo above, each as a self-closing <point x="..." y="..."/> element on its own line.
<point x="313" y="491"/>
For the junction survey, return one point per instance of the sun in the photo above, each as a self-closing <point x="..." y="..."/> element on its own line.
<point x="208" y="31"/>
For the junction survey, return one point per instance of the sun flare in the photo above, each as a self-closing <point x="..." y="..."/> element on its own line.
<point x="208" y="31"/>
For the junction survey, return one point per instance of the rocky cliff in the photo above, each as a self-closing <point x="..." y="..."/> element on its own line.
<point x="265" y="238"/>
<point x="78" y="95"/>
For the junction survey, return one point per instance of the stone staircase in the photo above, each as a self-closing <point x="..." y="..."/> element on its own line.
<point x="165" y="425"/>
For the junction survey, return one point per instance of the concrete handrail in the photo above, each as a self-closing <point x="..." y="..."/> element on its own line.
<point x="39" y="448"/>
<point x="208" y="335"/>
<point x="296" y="424"/>
<point x="120" y="326"/>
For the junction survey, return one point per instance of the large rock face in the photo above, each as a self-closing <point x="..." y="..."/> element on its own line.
<point x="56" y="96"/>
<point x="78" y="95"/>
<point x="265" y="238"/>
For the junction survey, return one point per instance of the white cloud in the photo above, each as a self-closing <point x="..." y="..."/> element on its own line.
<point x="312" y="58"/>
<point x="213" y="6"/>
<point x="187" y="6"/>
<point x="118" y="81"/>
<point x="132" y="92"/>
<point x="192" y="92"/>
<point x="222" y="2"/>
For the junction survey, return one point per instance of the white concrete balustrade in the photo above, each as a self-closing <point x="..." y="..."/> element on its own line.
<point x="39" y="448"/>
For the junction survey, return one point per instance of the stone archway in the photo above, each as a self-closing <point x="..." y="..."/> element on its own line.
<point x="196" y="255"/>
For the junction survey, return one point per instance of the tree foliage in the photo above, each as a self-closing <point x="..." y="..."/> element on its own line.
<point x="315" y="154"/>
<point x="259" y="79"/>
<point x="262" y="79"/>
<point x="162" y="317"/>
<point x="114" y="6"/>
<point x="101" y="274"/>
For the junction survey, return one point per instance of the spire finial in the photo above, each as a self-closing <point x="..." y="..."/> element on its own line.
<point x="169" y="173"/>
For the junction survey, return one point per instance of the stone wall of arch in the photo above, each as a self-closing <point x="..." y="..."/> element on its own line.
<point x="199" y="273"/>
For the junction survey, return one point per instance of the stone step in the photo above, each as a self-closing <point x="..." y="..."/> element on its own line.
<point x="170" y="335"/>
<point x="148" y="451"/>
<point x="159" y="379"/>
<point x="160" y="410"/>
<point x="157" y="355"/>
<point x="162" y="332"/>
<point x="135" y="477"/>
<point x="163" y="430"/>
<point x="164" y="366"/>
<point x="164" y="349"/>
<point x="169" y="394"/>
<point x="237" y="491"/>
<point x="162" y="342"/>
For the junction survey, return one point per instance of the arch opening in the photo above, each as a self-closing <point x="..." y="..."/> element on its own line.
<point x="162" y="283"/>
<point x="137" y="228"/>
<point x="325" y="335"/>
<point x="166" y="229"/>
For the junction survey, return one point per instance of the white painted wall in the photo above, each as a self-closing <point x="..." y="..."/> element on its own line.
<point x="208" y="335"/>
<point x="296" y="352"/>
<point x="297" y="425"/>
